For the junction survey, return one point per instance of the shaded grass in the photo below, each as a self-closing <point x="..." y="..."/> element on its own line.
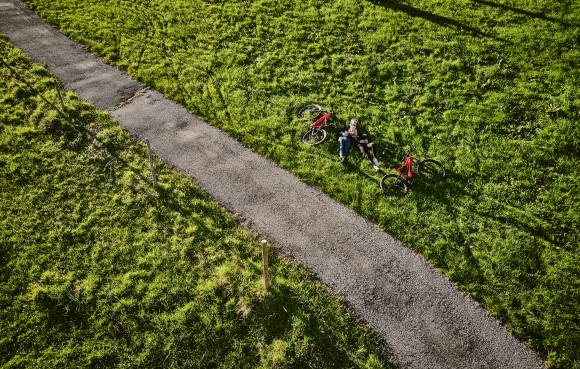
<point x="489" y="88"/>
<point x="100" y="270"/>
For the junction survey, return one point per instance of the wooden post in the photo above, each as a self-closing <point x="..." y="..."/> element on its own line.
<point x="266" y="281"/>
<point x="151" y="166"/>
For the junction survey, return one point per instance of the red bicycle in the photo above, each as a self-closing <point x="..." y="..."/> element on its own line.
<point x="399" y="184"/>
<point x="319" y="119"/>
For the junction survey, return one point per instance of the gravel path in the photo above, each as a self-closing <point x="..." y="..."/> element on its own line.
<point x="424" y="320"/>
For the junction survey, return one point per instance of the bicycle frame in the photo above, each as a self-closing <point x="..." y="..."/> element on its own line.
<point x="399" y="183"/>
<point x="324" y="121"/>
<point x="409" y="165"/>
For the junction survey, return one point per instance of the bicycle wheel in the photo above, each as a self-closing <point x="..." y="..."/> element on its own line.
<point x="393" y="184"/>
<point x="310" y="112"/>
<point x="314" y="136"/>
<point x="432" y="170"/>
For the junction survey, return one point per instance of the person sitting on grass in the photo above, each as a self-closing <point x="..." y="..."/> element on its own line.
<point x="353" y="135"/>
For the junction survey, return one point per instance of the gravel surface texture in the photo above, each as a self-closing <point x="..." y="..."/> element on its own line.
<point x="424" y="320"/>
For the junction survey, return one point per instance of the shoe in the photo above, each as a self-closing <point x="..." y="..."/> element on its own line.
<point x="376" y="168"/>
<point x="342" y="160"/>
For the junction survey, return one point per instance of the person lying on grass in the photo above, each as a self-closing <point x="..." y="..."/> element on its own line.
<point x="354" y="135"/>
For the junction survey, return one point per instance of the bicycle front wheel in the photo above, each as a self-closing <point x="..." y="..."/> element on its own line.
<point x="310" y="112"/>
<point x="314" y="136"/>
<point x="394" y="185"/>
<point x="432" y="170"/>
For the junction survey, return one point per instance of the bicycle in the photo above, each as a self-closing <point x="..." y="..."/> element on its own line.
<point x="399" y="184"/>
<point x="319" y="119"/>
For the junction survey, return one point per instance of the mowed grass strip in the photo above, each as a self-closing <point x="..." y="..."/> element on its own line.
<point x="100" y="270"/>
<point x="489" y="88"/>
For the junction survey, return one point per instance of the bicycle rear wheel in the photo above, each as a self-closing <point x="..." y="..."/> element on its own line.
<point x="310" y="112"/>
<point x="314" y="136"/>
<point x="432" y="170"/>
<point x="394" y="185"/>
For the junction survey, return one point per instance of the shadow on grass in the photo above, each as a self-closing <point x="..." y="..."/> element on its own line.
<point x="437" y="19"/>
<point x="283" y="310"/>
<point x="523" y="12"/>
<point x="453" y="189"/>
<point x="527" y="226"/>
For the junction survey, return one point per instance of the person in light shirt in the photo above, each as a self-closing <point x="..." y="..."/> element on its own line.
<point x="354" y="135"/>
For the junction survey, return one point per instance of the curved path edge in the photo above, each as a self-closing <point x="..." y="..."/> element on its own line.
<point x="424" y="320"/>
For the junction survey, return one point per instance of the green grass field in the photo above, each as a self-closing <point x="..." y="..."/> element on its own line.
<point x="488" y="87"/>
<point x="100" y="270"/>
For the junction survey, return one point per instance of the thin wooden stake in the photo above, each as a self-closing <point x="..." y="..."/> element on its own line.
<point x="266" y="280"/>
<point x="151" y="166"/>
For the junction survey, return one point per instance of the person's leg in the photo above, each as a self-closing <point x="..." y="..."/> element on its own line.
<point x="371" y="156"/>
<point x="344" y="144"/>
<point x="362" y="146"/>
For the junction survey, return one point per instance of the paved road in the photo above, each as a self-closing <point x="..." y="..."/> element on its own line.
<point x="424" y="320"/>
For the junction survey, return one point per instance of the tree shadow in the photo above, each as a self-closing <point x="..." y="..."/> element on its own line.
<point x="281" y="309"/>
<point x="437" y="19"/>
<point x="527" y="226"/>
<point x="445" y="191"/>
<point x="522" y="11"/>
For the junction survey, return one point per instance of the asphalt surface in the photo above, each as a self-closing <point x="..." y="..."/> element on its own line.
<point x="424" y="320"/>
